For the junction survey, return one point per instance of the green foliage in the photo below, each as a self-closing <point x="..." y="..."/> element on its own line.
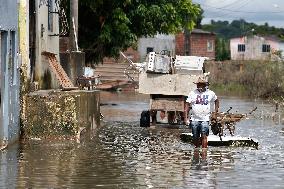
<point x="230" y="89"/>
<point x="222" y="49"/>
<point x="107" y="27"/>
<point x="237" y="28"/>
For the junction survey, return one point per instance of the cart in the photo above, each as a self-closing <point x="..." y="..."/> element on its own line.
<point x="168" y="80"/>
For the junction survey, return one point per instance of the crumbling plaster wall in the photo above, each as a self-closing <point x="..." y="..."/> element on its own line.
<point x="59" y="114"/>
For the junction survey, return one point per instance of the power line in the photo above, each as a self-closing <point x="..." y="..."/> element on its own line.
<point x="243" y="3"/>
<point x="232" y="4"/>
<point x="238" y="11"/>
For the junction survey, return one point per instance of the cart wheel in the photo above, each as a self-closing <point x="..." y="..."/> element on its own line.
<point x="145" y="119"/>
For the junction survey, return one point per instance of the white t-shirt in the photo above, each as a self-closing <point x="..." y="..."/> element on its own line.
<point x="200" y="103"/>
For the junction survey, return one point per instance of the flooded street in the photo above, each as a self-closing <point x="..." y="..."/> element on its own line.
<point x="121" y="154"/>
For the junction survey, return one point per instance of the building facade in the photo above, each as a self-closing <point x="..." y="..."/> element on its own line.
<point x="44" y="37"/>
<point x="195" y="43"/>
<point x="255" y="48"/>
<point x="156" y="44"/>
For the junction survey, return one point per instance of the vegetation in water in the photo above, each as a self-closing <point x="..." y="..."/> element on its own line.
<point x="252" y="78"/>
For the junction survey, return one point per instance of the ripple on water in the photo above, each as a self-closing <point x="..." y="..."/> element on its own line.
<point x="123" y="155"/>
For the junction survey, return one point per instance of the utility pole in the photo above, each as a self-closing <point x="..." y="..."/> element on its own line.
<point x="186" y="42"/>
<point x="73" y="36"/>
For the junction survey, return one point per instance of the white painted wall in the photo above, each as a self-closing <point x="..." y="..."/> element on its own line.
<point x="253" y="48"/>
<point x="159" y="42"/>
<point x="44" y="39"/>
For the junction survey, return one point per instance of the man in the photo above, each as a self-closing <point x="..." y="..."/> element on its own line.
<point x="199" y="102"/>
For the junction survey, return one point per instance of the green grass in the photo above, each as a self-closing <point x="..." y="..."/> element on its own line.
<point x="232" y="89"/>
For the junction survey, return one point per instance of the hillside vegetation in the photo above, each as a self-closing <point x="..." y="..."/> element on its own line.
<point x="226" y="30"/>
<point x="236" y="28"/>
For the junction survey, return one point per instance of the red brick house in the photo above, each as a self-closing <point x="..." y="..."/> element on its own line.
<point x="199" y="43"/>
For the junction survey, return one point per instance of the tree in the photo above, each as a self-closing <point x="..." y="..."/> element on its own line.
<point x="222" y="49"/>
<point x="199" y="17"/>
<point x="238" y="28"/>
<point x="107" y="26"/>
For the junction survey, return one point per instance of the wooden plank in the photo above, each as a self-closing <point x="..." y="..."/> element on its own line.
<point x="174" y="104"/>
<point x="214" y="140"/>
<point x="111" y="85"/>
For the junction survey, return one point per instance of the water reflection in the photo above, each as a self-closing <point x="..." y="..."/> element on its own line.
<point x="9" y="167"/>
<point x="121" y="154"/>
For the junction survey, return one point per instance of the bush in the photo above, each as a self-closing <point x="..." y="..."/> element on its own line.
<point x="253" y="78"/>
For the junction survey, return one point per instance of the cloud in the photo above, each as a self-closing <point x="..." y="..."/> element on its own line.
<point x="259" y="12"/>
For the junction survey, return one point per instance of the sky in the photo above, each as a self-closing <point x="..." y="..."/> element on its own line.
<point x="256" y="11"/>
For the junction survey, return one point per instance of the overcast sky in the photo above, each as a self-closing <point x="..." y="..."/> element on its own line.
<point x="257" y="11"/>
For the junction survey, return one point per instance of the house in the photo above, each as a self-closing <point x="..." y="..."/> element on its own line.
<point x="46" y="69"/>
<point x="195" y="43"/>
<point x="145" y="45"/>
<point x="157" y="44"/>
<point x="201" y="43"/>
<point x="255" y="48"/>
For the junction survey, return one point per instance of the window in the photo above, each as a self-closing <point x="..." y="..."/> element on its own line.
<point x="265" y="48"/>
<point x="241" y="47"/>
<point x="50" y="16"/>
<point x="150" y="49"/>
<point x="210" y="47"/>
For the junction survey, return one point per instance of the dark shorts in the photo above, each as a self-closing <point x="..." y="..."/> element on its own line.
<point x="199" y="128"/>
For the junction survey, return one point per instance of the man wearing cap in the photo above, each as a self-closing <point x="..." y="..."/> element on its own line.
<point x="198" y="104"/>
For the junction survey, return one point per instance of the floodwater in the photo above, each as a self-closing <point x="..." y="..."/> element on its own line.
<point x="120" y="154"/>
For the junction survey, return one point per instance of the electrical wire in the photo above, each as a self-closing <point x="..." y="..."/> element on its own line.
<point x="232" y="4"/>
<point x="236" y="11"/>
<point x="223" y="14"/>
<point x="239" y="11"/>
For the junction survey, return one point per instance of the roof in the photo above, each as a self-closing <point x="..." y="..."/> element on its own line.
<point x="200" y="31"/>
<point x="266" y="37"/>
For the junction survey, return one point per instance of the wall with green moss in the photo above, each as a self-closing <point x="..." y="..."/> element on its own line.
<point x="60" y="114"/>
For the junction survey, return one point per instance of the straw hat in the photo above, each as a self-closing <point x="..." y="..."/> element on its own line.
<point x="201" y="80"/>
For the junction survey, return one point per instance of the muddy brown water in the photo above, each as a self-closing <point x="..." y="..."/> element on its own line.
<point x="121" y="154"/>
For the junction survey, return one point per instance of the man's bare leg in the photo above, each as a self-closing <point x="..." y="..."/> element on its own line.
<point x="204" y="141"/>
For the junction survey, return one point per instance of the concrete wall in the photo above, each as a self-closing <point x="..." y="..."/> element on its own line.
<point x="9" y="64"/>
<point x="158" y="43"/>
<point x="73" y="63"/>
<point x="58" y="114"/>
<point x="47" y="39"/>
<point x="24" y="45"/>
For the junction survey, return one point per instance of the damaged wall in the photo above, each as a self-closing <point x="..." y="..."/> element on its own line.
<point x="58" y="114"/>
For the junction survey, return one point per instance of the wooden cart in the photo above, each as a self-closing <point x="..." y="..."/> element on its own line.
<point x="168" y="87"/>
